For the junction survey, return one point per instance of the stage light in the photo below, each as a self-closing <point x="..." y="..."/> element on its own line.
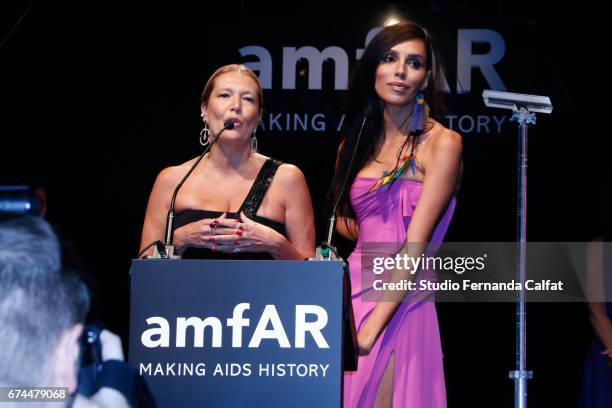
<point x="515" y="101"/>
<point x="391" y="20"/>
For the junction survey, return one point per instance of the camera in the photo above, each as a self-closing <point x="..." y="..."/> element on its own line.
<point x="91" y="358"/>
<point x="116" y="375"/>
<point x="22" y="200"/>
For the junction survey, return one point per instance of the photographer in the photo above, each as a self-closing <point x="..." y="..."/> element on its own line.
<point x="42" y="308"/>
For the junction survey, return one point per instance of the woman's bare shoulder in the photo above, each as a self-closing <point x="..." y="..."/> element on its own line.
<point x="289" y="175"/>
<point x="443" y="139"/>
<point x="171" y="175"/>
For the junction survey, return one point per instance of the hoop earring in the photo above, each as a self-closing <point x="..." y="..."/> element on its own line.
<point x="254" y="142"/>
<point x="204" y="133"/>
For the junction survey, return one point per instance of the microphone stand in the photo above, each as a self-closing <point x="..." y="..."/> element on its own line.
<point x="323" y="252"/>
<point x="327" y="252"/>
<point x="168" y="252"/>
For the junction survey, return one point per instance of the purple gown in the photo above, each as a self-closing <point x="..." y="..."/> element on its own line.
<point x="412" y="334"/>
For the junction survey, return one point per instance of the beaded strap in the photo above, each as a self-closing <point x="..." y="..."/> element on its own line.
<point x="259" y="188"/>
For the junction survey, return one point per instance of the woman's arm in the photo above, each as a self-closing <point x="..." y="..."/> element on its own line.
<point x="299" y="216"/>
<point x="442" y="173"/>
<point x="601" y="324"/>
<point x="595" y="294"/>
<point x="347" y="227"/>
<point x="154" y="228"/>
<point x="157" y="207"/>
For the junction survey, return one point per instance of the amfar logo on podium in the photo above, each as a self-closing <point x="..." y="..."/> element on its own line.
<point x="160" y="335"/>
<point x="465" y="61"/>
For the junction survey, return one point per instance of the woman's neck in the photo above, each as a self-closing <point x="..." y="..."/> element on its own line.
<point x="397" y="119"/>
<point x="230" y="158"/>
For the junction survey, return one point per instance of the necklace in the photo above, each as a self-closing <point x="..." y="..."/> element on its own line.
<point x="417" y="118"/>
<point x="402" y="163"/>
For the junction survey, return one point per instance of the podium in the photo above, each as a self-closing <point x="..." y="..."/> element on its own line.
<point x="240" y="333"/>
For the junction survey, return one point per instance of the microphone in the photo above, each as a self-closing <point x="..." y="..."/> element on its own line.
<point x="350" y="348"/>
<point x="326" y="246"/>
<point x="169" y="247"/>
<point x="161" y="249"/>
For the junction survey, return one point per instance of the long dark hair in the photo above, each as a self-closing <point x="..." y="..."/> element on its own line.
<point x="362" y="99"/>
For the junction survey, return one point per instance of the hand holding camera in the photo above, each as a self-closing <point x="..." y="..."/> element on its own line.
<point x="104" y="372"/>
<point x="111" y="346"/>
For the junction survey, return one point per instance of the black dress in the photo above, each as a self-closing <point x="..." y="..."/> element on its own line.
<point x="249" y="207"/>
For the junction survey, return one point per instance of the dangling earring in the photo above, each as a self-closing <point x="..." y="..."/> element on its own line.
<point x="204" y="135"/>
<point x="420" y="112"/>
<point x="254" y="142"/>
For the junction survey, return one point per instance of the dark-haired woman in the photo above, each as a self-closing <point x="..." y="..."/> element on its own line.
<point x="402" y="192"/>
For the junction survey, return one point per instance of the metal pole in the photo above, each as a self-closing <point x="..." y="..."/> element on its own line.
<point x="521" y="375"/>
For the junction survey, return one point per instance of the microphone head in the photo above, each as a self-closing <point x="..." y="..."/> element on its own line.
<point x="161" y="249"/>
<point x="228" y="124"/>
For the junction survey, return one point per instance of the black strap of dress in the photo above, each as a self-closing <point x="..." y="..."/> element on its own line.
<point x="259" y="188"/>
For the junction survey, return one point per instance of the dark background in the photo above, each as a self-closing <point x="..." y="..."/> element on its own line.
<point x="97" y="98"/>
